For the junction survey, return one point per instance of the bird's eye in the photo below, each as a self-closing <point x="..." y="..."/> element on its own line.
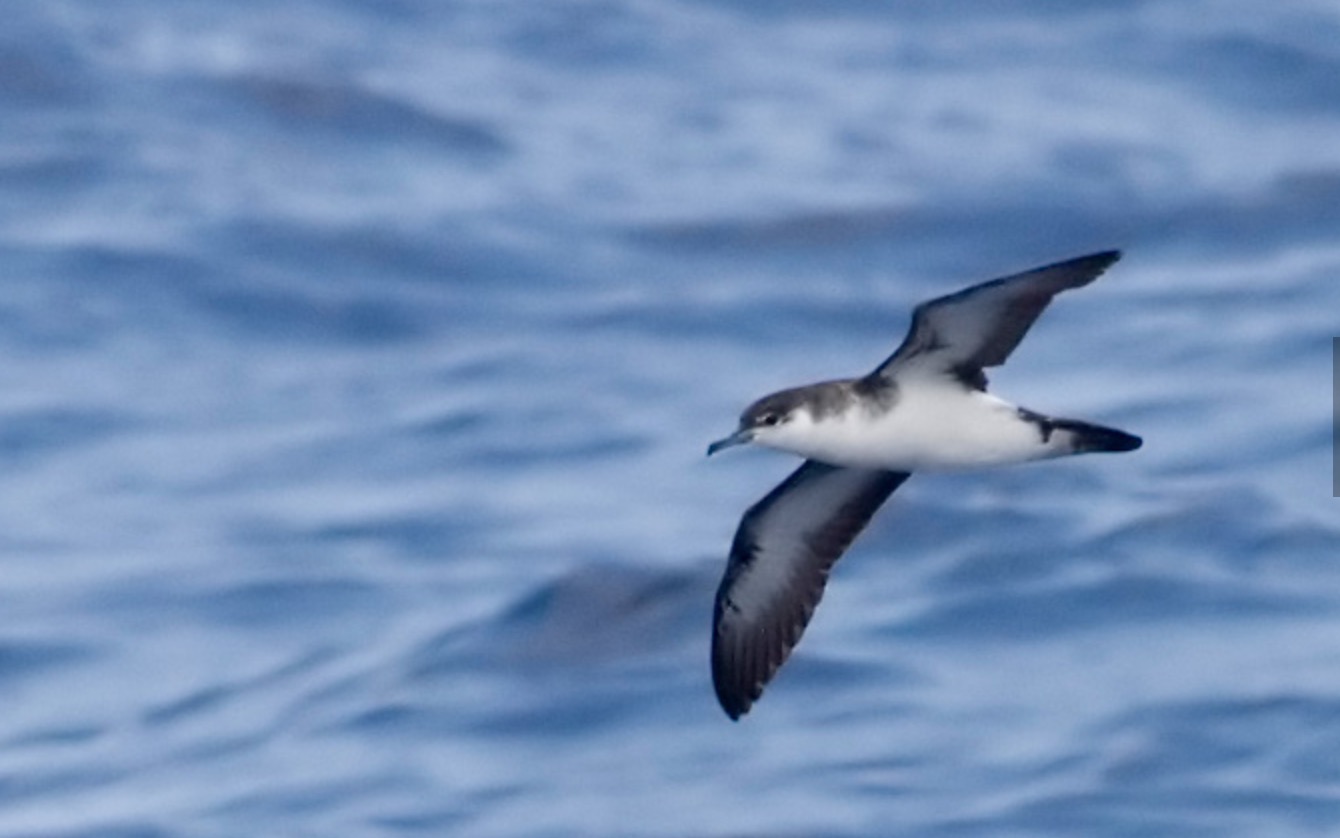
<point x="769" y="419"/>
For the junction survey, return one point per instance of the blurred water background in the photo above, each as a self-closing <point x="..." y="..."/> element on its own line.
<point x="360" y="356"/>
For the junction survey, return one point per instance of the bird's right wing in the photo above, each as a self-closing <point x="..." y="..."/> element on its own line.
<point x="779" y="563"/>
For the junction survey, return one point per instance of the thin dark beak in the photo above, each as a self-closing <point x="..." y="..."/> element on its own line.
<point x="740" y="437"/>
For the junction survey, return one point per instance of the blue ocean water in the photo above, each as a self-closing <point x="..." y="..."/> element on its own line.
<point x="361" y="357"/>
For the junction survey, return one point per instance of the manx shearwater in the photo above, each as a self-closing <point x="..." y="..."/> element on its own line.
<point x="925" y="408"/>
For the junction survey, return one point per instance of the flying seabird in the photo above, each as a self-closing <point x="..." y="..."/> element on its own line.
<point x="925" y="408"/>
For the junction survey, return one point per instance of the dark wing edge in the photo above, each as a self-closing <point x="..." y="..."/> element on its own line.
<point x="1013" y="323"/>
<point x="748" y="649"/>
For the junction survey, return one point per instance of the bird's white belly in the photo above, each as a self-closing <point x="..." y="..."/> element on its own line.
<point x="928" y="430"/>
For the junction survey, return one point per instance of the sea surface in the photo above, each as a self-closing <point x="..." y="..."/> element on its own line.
<point x="360" y="356"/>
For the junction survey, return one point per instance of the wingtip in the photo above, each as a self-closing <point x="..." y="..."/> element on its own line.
<point x="1081" y="270"/>
<point x="1098" y="262"/>
<point x="730" y="682"/>
<point x="735" y="701"/>
<point x="733" y="706"/>
<point x="1105" y="259"/>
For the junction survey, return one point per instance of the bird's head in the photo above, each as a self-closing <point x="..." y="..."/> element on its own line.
<point x="772" y="421"/>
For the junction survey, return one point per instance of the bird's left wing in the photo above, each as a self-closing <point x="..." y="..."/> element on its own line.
<point x="961" y="333"/>
<point x="779" y="563"/>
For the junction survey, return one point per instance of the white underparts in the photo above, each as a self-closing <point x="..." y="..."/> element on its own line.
<point x="931" y="427"/>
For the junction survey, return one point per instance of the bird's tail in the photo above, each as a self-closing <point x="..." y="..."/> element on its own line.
<point x="1083" y="437"/>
